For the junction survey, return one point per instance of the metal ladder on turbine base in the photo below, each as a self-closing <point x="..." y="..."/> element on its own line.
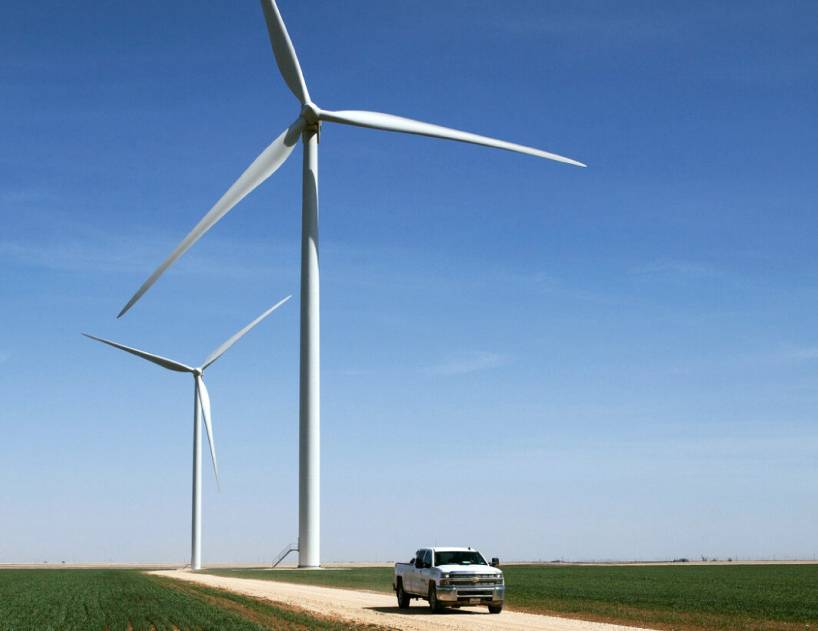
<point x="290" y="547"/>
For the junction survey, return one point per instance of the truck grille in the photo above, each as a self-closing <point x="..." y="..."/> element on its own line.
<point x="470" y="582"/>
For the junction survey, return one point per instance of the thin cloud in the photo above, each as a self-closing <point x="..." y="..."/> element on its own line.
<point x="676" y="271"/>
<point x="53" y="239"/>
<point x="136" y="255"/>
<point x="467" y="362"/>
<point x="615" y="28"/>
<point x="415" y="268"/>
<point x="776" y="358"/>
<point x="809" y="352"/>
<point x="24" y="197"/>
<point x="356" y="372"/>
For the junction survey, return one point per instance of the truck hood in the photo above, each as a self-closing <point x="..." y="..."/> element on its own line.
<point x="469" y="569"/>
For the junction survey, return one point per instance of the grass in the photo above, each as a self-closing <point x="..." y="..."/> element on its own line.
<point x="738" y="597"/>
<point x="672" y="597"/>
<point x="114" y="600"/>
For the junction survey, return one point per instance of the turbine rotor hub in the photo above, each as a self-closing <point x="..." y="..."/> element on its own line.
<point x="311" y="113"/>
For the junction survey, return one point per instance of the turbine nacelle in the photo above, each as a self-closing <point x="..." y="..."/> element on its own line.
<point x="311" y="113"/>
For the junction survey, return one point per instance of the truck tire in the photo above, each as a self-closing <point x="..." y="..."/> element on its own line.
<point x="403" y="597"/>
<point x="434" y="603"/>
<point x="495" y="609"/>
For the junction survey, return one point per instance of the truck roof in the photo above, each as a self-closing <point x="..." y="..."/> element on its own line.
<point x="449" y="549"/>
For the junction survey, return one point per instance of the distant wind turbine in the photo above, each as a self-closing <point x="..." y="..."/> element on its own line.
<point x="308" y="126"/>
<point x="200" y="399"/>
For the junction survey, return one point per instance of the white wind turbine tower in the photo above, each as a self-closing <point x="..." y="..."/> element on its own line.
<point x="200" y="399"/>
<point x="308" y="126"/>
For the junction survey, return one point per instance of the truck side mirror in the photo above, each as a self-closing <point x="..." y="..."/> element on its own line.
<point x="495" y="562"/>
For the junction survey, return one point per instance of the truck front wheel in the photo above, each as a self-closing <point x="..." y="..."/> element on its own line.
<point x="403" y="597"/>
<point x="495" y="609"/>
<point x="434" y="604"/>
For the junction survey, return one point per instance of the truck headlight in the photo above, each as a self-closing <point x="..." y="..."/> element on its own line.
<point x="499" y="580"/>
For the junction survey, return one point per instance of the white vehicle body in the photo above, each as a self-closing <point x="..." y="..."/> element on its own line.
<point x="450" y="577"/>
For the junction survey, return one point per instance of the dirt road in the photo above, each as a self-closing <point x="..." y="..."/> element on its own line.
<point x="382" y="609"/>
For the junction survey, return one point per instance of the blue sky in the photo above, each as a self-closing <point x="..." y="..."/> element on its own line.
<point x="539" y="360"/>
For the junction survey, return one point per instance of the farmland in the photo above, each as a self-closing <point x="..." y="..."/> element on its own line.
<point x="114" y="600"/>
<point x="743" y="597"/>
<point x="679" y="597"/>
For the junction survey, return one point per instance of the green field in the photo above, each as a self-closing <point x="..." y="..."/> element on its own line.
<point x="678" y="597"/>
<point x="121" y="600"/>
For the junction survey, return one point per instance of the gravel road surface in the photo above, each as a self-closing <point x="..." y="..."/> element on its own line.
<point x="382" y="609"/>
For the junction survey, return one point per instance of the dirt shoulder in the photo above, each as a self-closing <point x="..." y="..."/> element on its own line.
<point x="382" y="609"/>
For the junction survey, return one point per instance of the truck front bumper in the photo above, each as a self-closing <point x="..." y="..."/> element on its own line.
<point x="472" y="595"/>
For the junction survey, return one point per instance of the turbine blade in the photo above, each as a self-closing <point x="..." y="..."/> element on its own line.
<point x="220" y="351"/>
<point x="156" y="359"/>
<point x="388" y="122"/>
<point x="204" y="401"/>
<point x="284" y="51"/>
<point x="261" y="168"/>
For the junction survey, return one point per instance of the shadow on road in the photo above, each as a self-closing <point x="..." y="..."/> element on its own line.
<point x="424" y="611"/>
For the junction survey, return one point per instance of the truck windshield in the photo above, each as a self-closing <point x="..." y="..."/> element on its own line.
<point x="459" y="557"/>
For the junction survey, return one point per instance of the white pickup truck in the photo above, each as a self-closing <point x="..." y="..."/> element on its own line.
<point x="450" y="577"/>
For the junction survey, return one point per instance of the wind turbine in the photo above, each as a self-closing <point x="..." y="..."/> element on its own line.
<point x="308" y="126"/>
<point x="200" y="399"/>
